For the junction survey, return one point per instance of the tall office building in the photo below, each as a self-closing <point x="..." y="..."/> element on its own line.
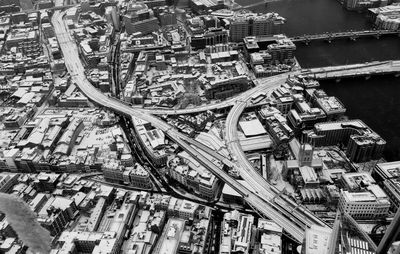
<point x="362" y="148"/>
<point x="112" y="16"/>
<point x="239" y="28"/>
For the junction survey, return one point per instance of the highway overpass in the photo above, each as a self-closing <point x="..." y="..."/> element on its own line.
<point x="304" y="218"/>
<point x="265" y="84"/>
<point x="76" y="70"/>
<point x="266" y="199"/>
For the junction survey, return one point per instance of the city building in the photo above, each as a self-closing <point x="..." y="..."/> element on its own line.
<point x="392" y="189"/>
<point x="276" y="123"/>
<point x="362" y="148"/>
<point x="304" y="115"/>
<point x="386" y="17"/>
<point x="88" y="242"/>
<point x="145" y="232"/>
<point x="316" y="240"/>
<point x="356" y="180"/>
<point x="188" y="172"/>
<point x="230" y="195"/>
<point x="331" y="105"/>
<point x="270" y="237"/>
<point x="112" y="16"/>
<point x="222" y="89"/>
<point x="211" y="37"/>
<point x="56" y="214"/>
<point x="372" y="203"/>
<point x="386" y="170"/>
<point x="200" y="6"/>
<point x="236" y="231"/>
<point x="388" y="174"/>
<point x="7" y="181"/>
<point x="362" y="143"/>
<point x="170" y="237"/>
<point x="152" y="141"/>
<point x="302" y="172"/>
<point x="242" y="25"/>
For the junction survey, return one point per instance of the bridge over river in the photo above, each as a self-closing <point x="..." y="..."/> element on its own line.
<point x="352" y="35"/>
<point x="354" y="70"/>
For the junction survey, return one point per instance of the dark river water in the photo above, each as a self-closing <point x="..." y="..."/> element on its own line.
<point x="375" y="101"/>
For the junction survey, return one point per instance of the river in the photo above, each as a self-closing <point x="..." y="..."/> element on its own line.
<point x="375" y="101"/>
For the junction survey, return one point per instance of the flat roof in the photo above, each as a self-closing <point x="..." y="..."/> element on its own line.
<point x="252" y="128"/>
<point x="256" y="143"/>
<point x="171" y="236"/>
<point x="327" y="126"/>
<point x="365" y="196"/>
<point x="389" y="169"/>
<point x="317" y="240"/>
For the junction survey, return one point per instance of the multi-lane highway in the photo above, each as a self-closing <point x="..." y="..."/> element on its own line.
<point x="268" y="83"/>
<point x="301" y="216"/>
<point x="260" y="200"/>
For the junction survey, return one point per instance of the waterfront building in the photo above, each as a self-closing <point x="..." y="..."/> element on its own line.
<point x="386" y="17"/>
<point x="251" y="24"/>
<point x="339" y="132"/>
<point x="362" y="148"/>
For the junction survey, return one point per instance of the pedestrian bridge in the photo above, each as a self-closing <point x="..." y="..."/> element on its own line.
<point x="353" y="70"/>
<point x="352" y="35"/>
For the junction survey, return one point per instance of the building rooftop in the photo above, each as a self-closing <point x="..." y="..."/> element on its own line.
<point x="104" y="242"/>
<point x="252" y="128"/>
<point x="317" y="240"/>
<point x="331" y="105"/>
<point x="328" y="126"/>
<point x="388" y="169"/>
<point x="355" y="180"/>
<point x="170" y="238"/>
